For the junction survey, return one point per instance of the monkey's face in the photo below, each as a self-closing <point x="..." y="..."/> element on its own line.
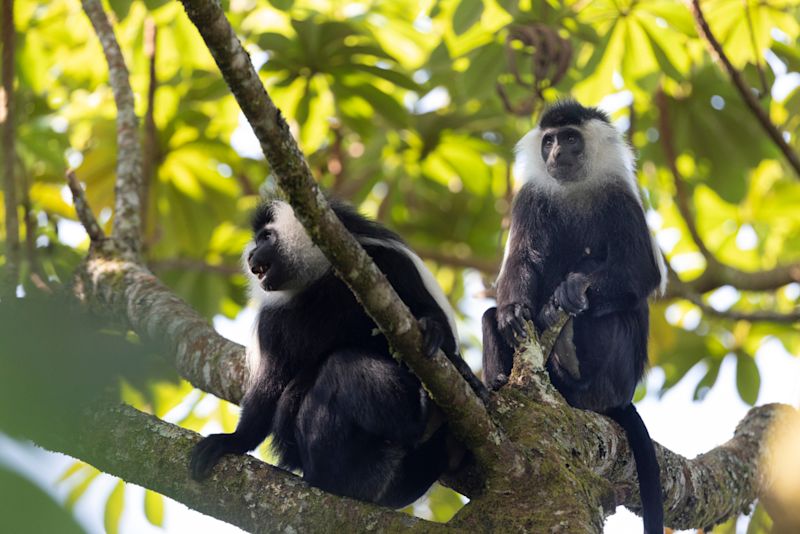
<point x="281" y="255"/>
<point x="266" y="262"/>
<point x="563" y="152"/>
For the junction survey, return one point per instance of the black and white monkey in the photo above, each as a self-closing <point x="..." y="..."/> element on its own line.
<point x="579" y="242"/>
<point x="322" y="379"/>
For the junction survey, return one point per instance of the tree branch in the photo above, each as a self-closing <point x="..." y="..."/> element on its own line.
<point x="9" y="284"/>
<point x="464" y="410"/>
<point x="150" y="150"/>
<point x="128" y="292"/>
<point x="245" y="492"/>
<point x="718" y="54"/>
<point x="82" y="209"/>
<point x="127" y="210"/>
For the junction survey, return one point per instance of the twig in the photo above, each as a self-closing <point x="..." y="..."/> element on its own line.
<point x="756" y="52"/>
<point x="461" y="262"/>
<point x="127" y="208"/>
<point x="465" y="412"/>
<point x="734" y="315"/>
<point x="83" y="210"/>
<point x="718" y="54"/>
<point x="150" y="151"/>
<point x="9" y="284"/>
<point x="181" y="264"/>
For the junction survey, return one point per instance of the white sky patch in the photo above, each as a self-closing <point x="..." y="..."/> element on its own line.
<point x="244" y="141"/>
<point x="71" y="233"/>
<point x="66" y="194"/>
<point x="746" y="238"/>
<point x="792" y="291"/>
<point x="436" y="98"/>
<point x="74" y="158"/>
<point x="667" y="238"/>
<point x="687" y="261"/>
<point x="723" y="298"/>
<point x="616" y="101"/>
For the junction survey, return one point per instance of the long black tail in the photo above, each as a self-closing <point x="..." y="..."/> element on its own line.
<point x="646" y="467"/>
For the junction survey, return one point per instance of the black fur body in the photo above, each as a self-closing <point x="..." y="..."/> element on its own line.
<point x="579" y="241"/>
<point x="340" y="408"/>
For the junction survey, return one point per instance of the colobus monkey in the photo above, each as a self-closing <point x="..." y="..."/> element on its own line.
<point x="322" y="379"/>
<point x="579" y="241"/>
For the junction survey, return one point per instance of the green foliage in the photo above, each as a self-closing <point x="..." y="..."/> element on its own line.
<point x="411" y="111"/>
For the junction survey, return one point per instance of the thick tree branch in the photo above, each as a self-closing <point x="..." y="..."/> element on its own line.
<point x="130" y="293"/>
<point x="9" y="284"/>
<point x="127" y="209"/>
<point x="718" y="54"/>
<point x="245" y="492"/>
<point x="703" y="491"/>
<point x="464" y="410"/>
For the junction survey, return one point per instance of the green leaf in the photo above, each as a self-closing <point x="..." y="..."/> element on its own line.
<point x="467" y="14"/>
<point x="154" y="508"/>
<point x="283" y="5"/>
<point x="114" y="507"/>
<point x="121" y="8"/>
<point x="79" y="489"/>
<point x="748" y="379"/>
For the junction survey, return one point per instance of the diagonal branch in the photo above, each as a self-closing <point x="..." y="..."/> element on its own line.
<point x="127" y="210"/>
<point x="84" y="212"/>
<point x="718" y="54"/>
<point x="464" y="410"/>
<point x="246" y="492"/>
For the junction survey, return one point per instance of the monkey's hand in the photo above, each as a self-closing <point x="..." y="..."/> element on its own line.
<point x="432" y="335"/>
<point x="511" y="320"/>
<point x="570" y="295"/>
<point x="207" y="453"/>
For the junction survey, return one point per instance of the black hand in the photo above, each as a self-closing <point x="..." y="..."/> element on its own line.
<point x="432" y="336"/>
<point x="207" y="453"/>
<point x="511" y="320"/>
<point x="570" y="295"/>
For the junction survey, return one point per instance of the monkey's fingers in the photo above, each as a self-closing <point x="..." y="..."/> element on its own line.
<point x="432" y="336"/>
<point x="206" y="455"/>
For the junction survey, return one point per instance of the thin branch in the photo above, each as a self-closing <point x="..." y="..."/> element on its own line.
<point x="127" y="209"/>
<point x="9" y="283"/>
<point x="183" y="264"/>
<point x="83" y="210"/>
<point x="150" y="150"/>
<point x="461" y="262"/>
<point x="465" y="412"/>
<point x="718" y="54"/>
<point x="244" y="491"/>
<point x="735" y="315"/>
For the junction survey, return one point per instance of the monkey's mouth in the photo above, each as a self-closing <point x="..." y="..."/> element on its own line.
<point x="261" y="271"/>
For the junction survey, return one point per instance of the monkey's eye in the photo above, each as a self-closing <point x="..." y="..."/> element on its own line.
<point x="572" y="139"/>
<point x="265" y="236"/>
<point x="547" y="142"/>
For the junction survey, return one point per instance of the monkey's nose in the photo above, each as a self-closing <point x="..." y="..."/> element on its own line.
<point x="257" y="269"/>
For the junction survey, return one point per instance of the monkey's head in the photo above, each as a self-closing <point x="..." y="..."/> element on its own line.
<point x="573" y="144"/>
<point x="281" y="256"/>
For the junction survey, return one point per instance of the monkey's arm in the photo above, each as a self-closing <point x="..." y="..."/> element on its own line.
<point x="407" y="280"/>
<point x="255" y="423"/>
<point x="629" y="273"/>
